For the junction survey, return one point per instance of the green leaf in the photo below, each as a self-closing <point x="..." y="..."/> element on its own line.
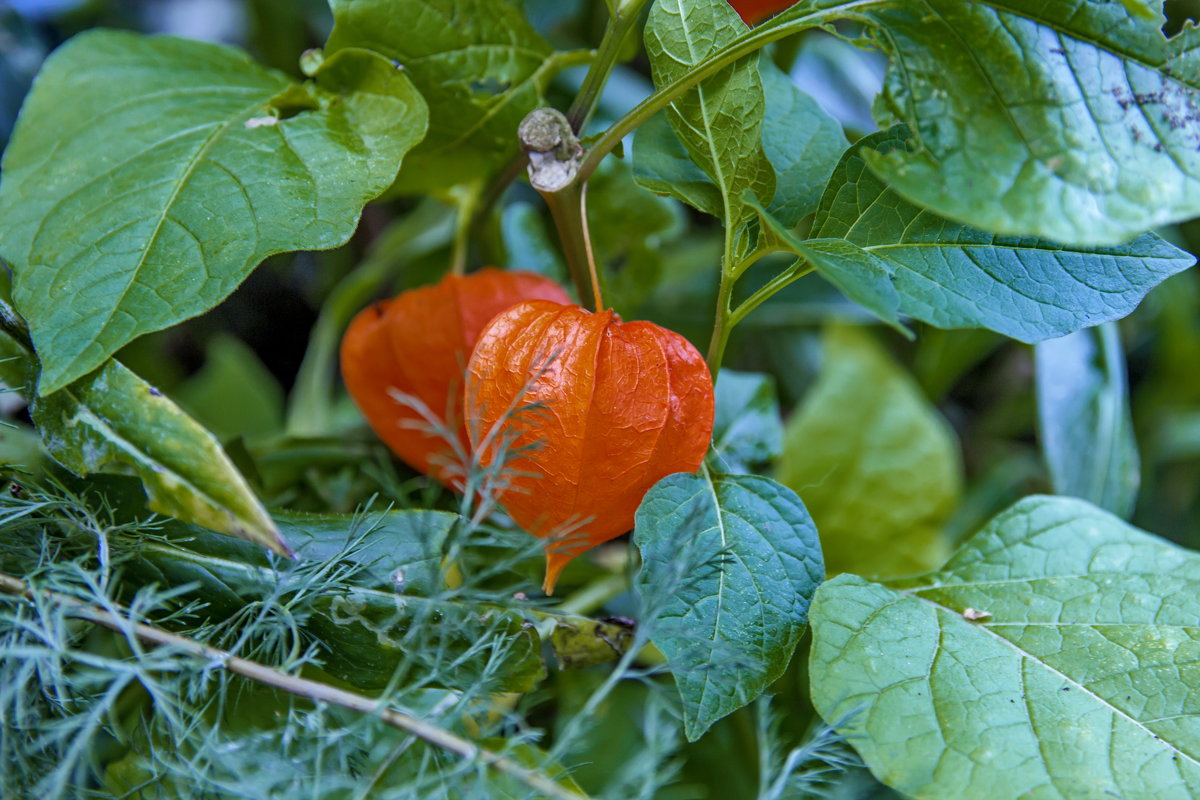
<point x="112" y="417"/>
<point x="729" y="563"/>
<point x="662" y="165"/>
<point x="1084" y="418"/>
<point x="478" y="63"/>
<point x="876" y="465"/>
<point x="1074" y="120"/>
<point x="149" y="175"/>
<point x="895" y="258"/>
<point x="747" y="428"/>
<point x="801" y="142"/>
<point x="394" y="615"/>
<point x="720" y="122"/>
<point x="233" y="394"/>
<point x="1053" y="657"/>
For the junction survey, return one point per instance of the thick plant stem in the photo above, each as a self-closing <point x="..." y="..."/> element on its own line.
<point x="301" y="687"/>
<point x="566" y="207"/>
<point x="753" y="40"/>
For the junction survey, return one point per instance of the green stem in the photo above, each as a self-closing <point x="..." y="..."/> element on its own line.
<point x="749" y="42"/>
<point x="566" y="207"/>
<point x="722" y="325"/>
<point x="620" y="25"/>
<point x="594" y="595"/>
<point x="310" y="405"/>
<point x="762" y="295"/>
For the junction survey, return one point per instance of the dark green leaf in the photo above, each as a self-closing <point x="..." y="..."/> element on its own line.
<point x="630" y="228"/>
<point x="528" y="242"/>
<point x="747" y="429"/>
<point x="895" y="258"/>
<point x="720" y="122"/>
<point x="233" y="394"/>
<point x="1053" y="656"/>
<point x="1084" y="419"/>
<point x="478" y="63"/>
<point x="149" y="175"/>
<point x="662" y="165"/>
<point x="1072" y="120"/>
<point x="802" y="142"/>
<point x="876" y="465"/>
<point x="729" y="565"/>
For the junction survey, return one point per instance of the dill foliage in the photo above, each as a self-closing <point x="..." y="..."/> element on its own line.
<point x="419" y="610"/>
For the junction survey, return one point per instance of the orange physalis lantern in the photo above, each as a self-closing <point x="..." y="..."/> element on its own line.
<point x="753" y="11"/>
<point x="619" y="406"/>
<point x="418" y="344"/>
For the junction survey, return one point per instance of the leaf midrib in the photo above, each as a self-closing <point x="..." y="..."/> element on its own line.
<point x="957" y="616"/>
<point x="182" y="182"/>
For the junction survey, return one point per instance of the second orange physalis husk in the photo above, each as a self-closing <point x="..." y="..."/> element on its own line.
<point x="619" y="407"/>
<point x="417" y="345"/>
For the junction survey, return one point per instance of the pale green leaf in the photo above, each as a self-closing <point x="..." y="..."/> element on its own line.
<point x="876" y="464"/>
<point x="112" y="418"/>
<point x="480" y="65"/>
<point x="149" y="175"/>
<point x="729" y="563"/>
<point x="720" y="122"/>
<point x="1072" y="120"/>
<point x="895" y="258"/>
<point x="1084" y="419"/>
<point x="1052" y="657"/>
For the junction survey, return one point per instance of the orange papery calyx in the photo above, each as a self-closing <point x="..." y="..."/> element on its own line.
<point x="616" y="406"/>
<point x="755" y="11"/>
<point x="403" y="360"/>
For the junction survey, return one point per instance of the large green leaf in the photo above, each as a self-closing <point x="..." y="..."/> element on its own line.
<point x="1084" y="418"/>
<point x="149" y="175"/>
<point x="478" y="63"/>
<point x="1054" y="656"/>
<point x="112" y="418"/>
<point x="801" y="142"/>
<point x="895" y="258"/>
<point x="729" y="563"/>
<point x="720" y="122"/>
<point x="1071" y="120"/>
<point x="876" y="465"/>
<point x="747" y="429"/>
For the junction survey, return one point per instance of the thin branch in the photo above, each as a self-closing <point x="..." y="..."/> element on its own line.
<point x="301" y="687"/>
